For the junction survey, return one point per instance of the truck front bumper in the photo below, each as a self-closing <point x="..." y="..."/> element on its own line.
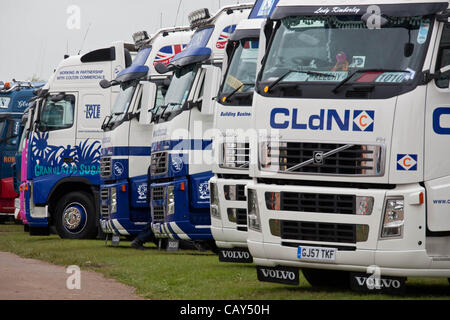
<point x="232" y="206"/>
<point x="401" y="256"/>
<point x="177" y="219"/>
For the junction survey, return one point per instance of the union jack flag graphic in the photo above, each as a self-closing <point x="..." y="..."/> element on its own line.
<point x="166" y="54"/>
<point x="224" y="36"/>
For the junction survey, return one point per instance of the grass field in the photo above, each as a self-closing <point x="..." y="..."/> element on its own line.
<point x="184" y="274"/>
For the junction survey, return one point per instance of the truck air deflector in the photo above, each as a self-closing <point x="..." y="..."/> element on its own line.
<point x="196" y="50"/>
<point x="138" y="69"/>
<point x="393" y="10"/>
<point x="262" y="9"/>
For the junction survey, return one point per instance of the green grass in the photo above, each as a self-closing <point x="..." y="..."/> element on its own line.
<point x="184" y="274"/>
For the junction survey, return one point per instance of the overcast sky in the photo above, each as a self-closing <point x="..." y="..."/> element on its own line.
<point x="35" y="35"/>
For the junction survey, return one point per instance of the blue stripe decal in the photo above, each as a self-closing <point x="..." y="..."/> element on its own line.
<point x="127" y="151"/>
<point x="186" y="144"/>
<point x="172" y="232"/>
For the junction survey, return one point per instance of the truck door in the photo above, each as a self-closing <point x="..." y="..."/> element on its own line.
<point x="53" y="142"/>
<point x="437" y="138"/>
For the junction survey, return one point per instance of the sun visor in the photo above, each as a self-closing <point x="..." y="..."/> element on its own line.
<point x="390" y="10"/>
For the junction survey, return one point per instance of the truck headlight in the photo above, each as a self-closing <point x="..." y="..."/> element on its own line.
<point x="254" y="220"/>
<point x="394" y="218"/>
<point x="364" y="206"/>
<point x="113" y="200"/>
<point x="214" y="198"/>
<point x="170" y="200"/>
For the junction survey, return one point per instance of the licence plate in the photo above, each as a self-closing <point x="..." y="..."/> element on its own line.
<point x="316" y="254"/>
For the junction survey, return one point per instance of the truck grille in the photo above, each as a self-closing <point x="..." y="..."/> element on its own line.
<point x="105" y="167"/>
<point x="104" y="197"/>
<point x="311" y="202"/>
<point x="236" y="155"/>
<point x="158" y="213"/>
<point x="235" y="192"/>
<point x="159" y="164"/>
<point x="158" y="193"/>
<point x="312" y="158"/>
<point x="318" y="231"/>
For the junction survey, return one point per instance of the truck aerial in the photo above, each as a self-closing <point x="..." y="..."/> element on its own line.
<point x="127" y="134"/>
<point x="14" y="100"/>
<point x="181" y="150"/>
<point x="232" y="117"/>
<point x="354" y="179"/>
<point x="63" y="167"/>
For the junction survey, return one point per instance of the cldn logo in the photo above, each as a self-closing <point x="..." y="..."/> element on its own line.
<point x="347" y="120"/>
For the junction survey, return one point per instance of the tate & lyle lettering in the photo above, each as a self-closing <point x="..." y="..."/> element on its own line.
<point x="92" y="111"/>
<point x="362" y="120"/>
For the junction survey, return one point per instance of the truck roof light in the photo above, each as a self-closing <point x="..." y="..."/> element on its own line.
<point x="7" y="85"/>
<point x="140" y="36"/>
<point x="198" y="17"/>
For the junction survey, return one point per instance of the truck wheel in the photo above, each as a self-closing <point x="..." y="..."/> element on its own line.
<point x="327" y="278"/>
<point x="75" y="216"/>
<point x="2" y="220"/>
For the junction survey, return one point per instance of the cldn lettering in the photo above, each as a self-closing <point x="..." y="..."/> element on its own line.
<point x="324" y="120"/>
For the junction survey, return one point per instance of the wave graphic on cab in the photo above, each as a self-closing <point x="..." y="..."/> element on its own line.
<point x="81" y="159"/>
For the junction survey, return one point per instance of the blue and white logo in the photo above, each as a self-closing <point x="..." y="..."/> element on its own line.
<point x="177" y="163"/>
<point x="118" y="169"/>
<point x="325" y="120"/>
<point x="142" y="192"/>
<point x="407" y="162"/>
<point x="203" y="190"/>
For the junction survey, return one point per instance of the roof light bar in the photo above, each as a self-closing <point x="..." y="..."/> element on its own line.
<point x="198" y="17"/>
<point x="140" y="37"/>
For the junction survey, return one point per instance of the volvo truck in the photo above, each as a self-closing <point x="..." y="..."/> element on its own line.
<point x="128" y="132"/>
<point x="351" y="184"/>
<point x="232" y="119"/>
<point x="63" y="166"/>
<point x="14" y="100"/>
<point x="181" y="150"/>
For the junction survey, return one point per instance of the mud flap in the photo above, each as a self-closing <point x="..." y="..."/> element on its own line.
<point x="283" y="275"/>
<point x="371" y="283"/>
<point x="238" y="255"/>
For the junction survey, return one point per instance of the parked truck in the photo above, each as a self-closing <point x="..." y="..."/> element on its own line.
<point x="14" y="100"/>
<point x="63" y="167"/>
<point x="181" y="149"/>
<point x="232" y="119"/>
<point x="353" y="181"/>
<point x="128" y="132"/>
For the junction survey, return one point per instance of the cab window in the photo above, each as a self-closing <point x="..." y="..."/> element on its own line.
<point x="444" y="57"/>
<point x="57" y="115"/>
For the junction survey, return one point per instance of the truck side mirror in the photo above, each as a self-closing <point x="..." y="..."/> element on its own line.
<point x="147" y="103"/>
<point x="212" y="83"/>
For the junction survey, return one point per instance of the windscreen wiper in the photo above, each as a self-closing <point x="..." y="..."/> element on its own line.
<point x="237" y="89"/>
<point x="310" y="73"/>
<point x="351" y="75"/>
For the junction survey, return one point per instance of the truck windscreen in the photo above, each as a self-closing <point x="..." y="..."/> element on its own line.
<point x="4" y="102"/>
<point x="241" y="73"/>
<point x="123" y="101"/>
<point x="337" y="46"/>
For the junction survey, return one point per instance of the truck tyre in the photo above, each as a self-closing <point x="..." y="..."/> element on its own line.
<point x="327" y="278"/>
<point x="2" y="220"/>
<point x="75" y="216"/>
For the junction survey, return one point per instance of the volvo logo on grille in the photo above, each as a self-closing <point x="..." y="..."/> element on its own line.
<point x="318" y="158"/>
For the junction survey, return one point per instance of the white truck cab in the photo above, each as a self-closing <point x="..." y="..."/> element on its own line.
<point x="63" y="167"/>
<point x="354" y="176"/>
<point x="128" y="130"/>
<point x="181" y="150"/>
<point x="232" y="119"/>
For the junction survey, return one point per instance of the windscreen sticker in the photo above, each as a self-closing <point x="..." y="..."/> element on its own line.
<point x="423" y="33"/>
<point x="395" y="77"/>
<point x="303" y="77"/>
<point x="233" y="82"/>
<point x="358" y="62"/>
